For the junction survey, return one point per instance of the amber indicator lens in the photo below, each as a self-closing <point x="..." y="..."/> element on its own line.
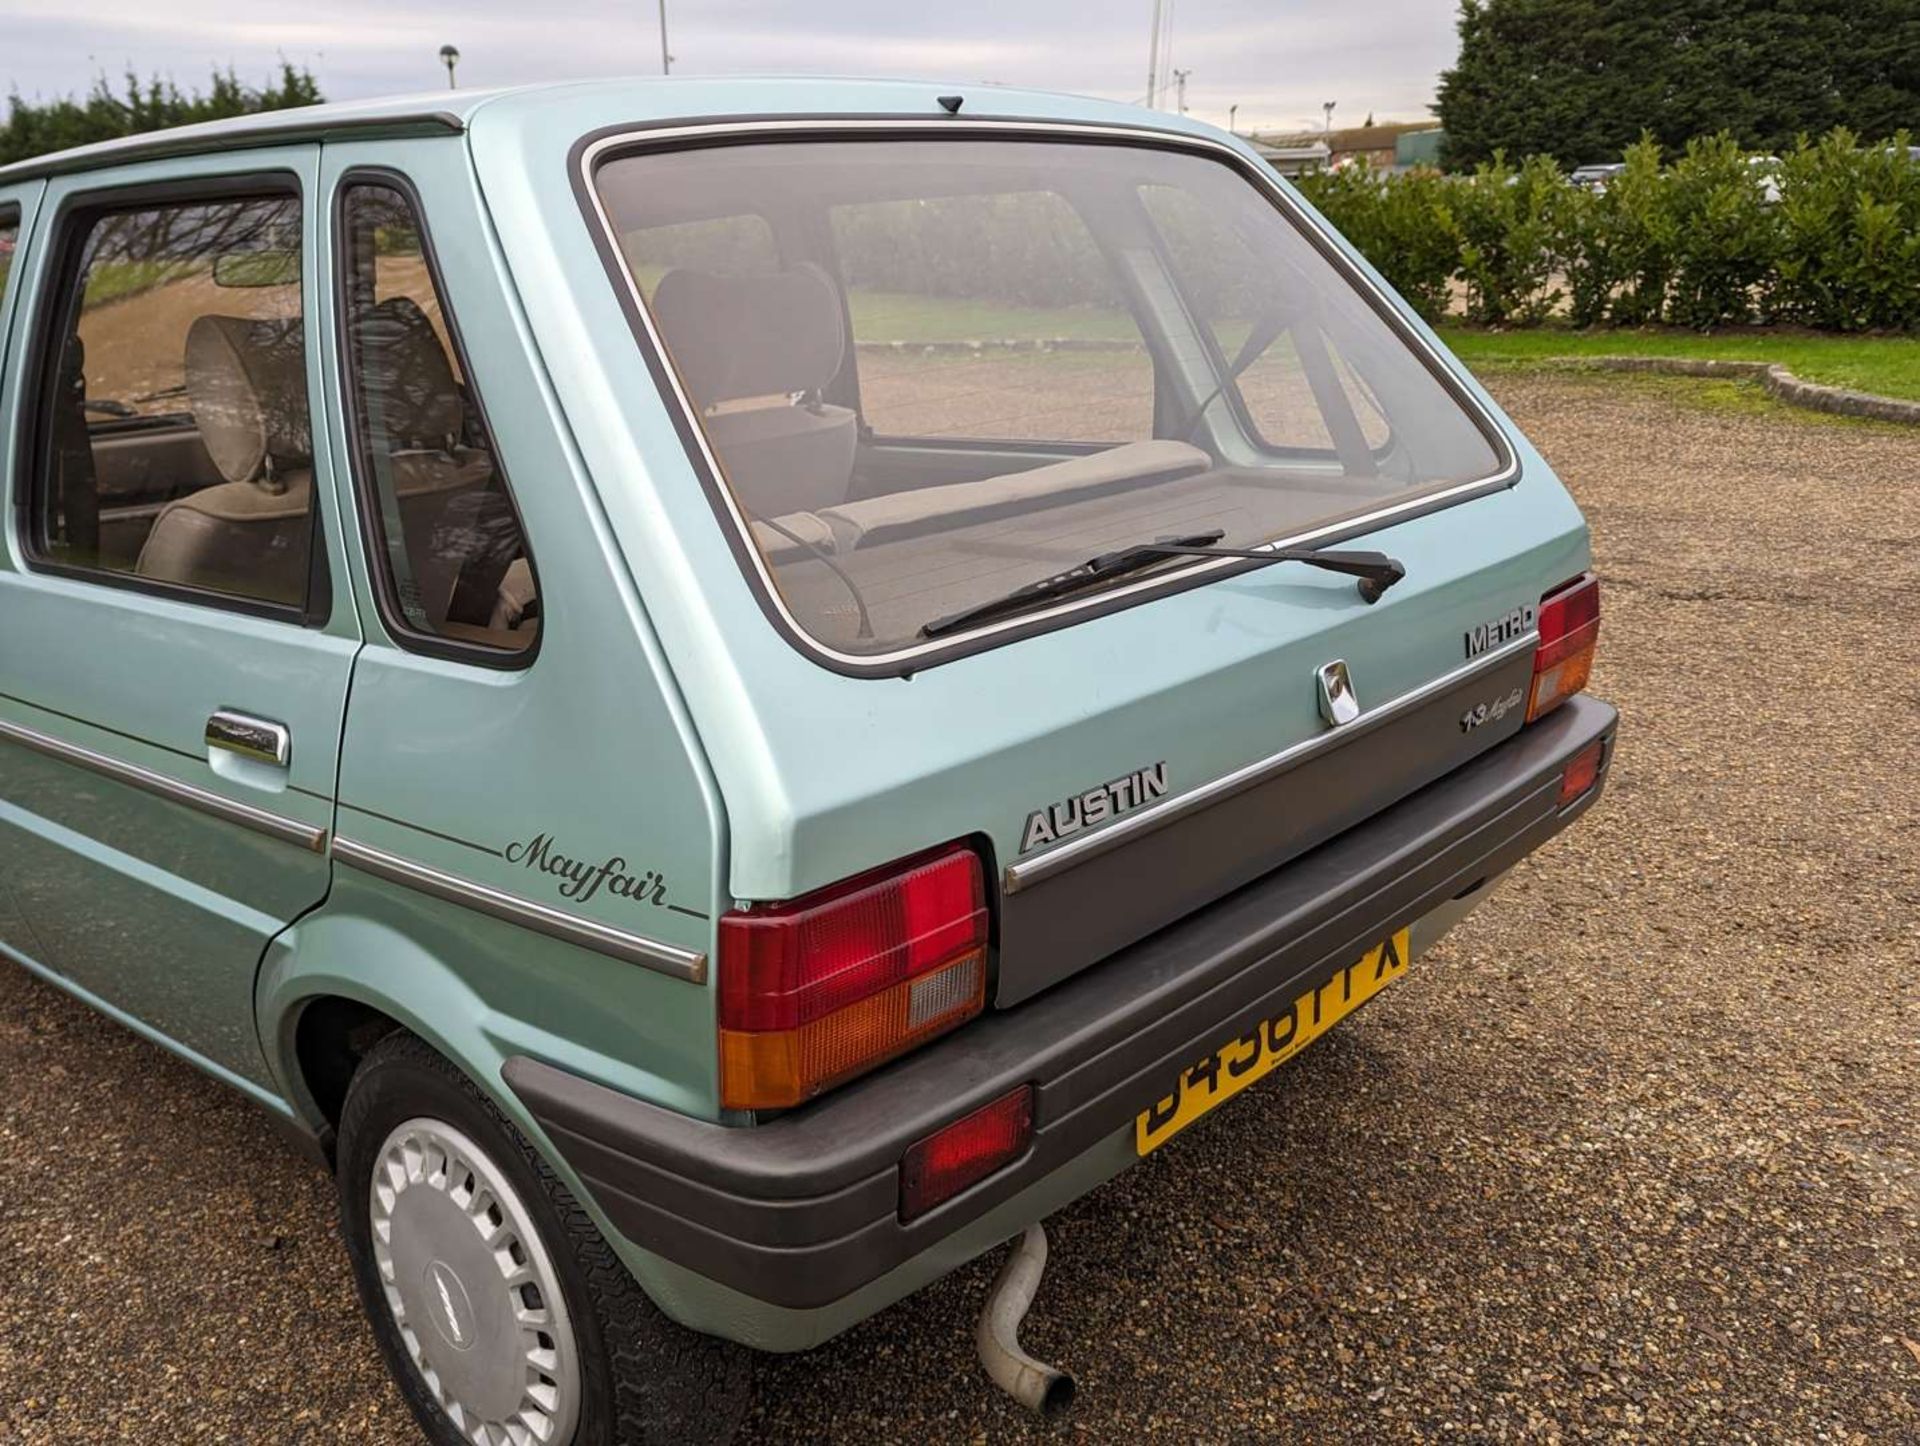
<point x="821" y="988"/>
<point x="1569" y="633"/>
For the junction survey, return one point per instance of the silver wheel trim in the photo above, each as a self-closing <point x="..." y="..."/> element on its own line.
<point x="460" y="1261"/>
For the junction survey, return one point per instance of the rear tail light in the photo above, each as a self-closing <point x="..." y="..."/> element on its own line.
<point x="822" y="988"/>
<point x="1569" y="629"/>
<point x="968" y="1150"/>
<point x="1581" y="772"/>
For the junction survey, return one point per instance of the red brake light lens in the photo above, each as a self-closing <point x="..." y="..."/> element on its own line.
<point x="939" y="1167"/>
<point x="1582" y="771"/>
<point x="1569" y="634"/>
<point x="821" y="988"/>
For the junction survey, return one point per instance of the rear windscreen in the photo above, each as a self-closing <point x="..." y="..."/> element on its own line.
<point x="933" y="371"/>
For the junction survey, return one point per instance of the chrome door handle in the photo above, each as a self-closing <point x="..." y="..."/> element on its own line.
<point x="256" y="738"/>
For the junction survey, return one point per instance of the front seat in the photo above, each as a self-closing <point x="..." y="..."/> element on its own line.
<point x="247" y="388"/>
<point x="453" y="529"/>
<point x="755" y="353"/>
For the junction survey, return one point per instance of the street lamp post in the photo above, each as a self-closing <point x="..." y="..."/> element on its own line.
<point x="450" y="57"/>
<point x="666" y="59"/>
<point x="1232" y="111"/>
<point x="1180" y="90"/>
<point x="1153" y="60"/>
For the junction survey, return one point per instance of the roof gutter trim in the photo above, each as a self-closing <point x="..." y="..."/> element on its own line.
<point x="192" y="141"/>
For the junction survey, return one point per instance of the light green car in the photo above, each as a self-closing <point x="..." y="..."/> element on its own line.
<point x="724" y="693"/>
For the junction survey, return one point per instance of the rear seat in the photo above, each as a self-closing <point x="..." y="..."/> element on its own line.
<point x="754" y="353"/>
<point x="843" y="528"/>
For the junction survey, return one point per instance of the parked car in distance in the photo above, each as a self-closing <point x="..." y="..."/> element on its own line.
<point x="1597" y="177"/>
<point x="721" y="694"/>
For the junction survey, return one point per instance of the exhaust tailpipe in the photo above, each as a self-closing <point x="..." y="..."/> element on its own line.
<point x="1034" y="1384"/>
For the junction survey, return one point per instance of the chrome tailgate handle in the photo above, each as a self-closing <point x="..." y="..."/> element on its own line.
<point x="260" y="739"/>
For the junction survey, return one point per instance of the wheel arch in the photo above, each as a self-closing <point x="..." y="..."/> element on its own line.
<point x="333" y="985"/>
<point x="338" y="981"/>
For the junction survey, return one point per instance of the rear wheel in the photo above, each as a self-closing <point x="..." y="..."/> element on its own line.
<point x="503" y="1314"/>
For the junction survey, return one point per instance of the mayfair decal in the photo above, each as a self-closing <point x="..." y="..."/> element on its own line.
<point x="1503" y="629"/>
<point x="1083" y="810"/>
<point x="580" y="880"/>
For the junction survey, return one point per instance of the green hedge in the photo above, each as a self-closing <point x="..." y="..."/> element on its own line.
<point x="33" y="128"/>
<point x="1828" y="237"/>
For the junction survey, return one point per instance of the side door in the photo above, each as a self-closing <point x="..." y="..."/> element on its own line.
<point x="17" y="206"/>
<point x="178" y="638"/>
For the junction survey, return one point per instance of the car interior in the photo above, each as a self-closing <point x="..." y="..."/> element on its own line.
<point x="205" y="481"/>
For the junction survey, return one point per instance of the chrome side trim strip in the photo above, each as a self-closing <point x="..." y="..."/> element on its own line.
<point x="274" y="825"/>
<point x="666" y="959"/>
<point x="1027" y="872"/>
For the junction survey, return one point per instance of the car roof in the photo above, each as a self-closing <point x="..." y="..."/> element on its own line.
<point x="450" y="113"/>
<point x="445" y="112"/>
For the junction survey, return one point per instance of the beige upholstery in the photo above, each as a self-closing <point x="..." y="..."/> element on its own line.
<point x="236" y="537"/>
<point x="247" y="386"/>
<point x="843" y="528"/>
<point x="755" y="352"/>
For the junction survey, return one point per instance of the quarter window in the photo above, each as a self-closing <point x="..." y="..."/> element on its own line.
<point x="453" y="560"/>
<point x="174" y="444"/>
<point x="9" y="236"/>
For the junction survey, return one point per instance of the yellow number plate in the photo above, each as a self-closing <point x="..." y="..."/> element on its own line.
<point x="1270" y="1044"/>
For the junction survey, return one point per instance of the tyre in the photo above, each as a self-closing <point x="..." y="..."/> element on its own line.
<point x="503" y="1314"/>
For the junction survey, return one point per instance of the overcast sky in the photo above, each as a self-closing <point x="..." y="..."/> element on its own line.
<point x="1276" y="59"/>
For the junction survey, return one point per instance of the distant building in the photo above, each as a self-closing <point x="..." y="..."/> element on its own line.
<point x="1393" y="146"/>
<point x="1418" y="148"/>
<point x="1294" y="160"/>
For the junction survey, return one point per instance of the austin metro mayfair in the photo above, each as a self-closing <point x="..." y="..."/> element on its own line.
<point x="723" y="694"/>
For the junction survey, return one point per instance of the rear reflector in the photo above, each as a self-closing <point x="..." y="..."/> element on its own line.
<point x="1581" y="772"/>
<point x="819" y="989"/>
<point x="1569" y="631"/>
<point x="939" y="1167"/>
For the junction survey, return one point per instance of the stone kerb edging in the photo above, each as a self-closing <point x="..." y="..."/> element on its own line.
<point x="1776" y="380"/>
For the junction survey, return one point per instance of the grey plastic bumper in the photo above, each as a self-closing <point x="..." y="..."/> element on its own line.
<point x="802" y="1211"/>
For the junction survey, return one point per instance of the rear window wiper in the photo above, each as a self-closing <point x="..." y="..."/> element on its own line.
<point x="1377" y="572"/>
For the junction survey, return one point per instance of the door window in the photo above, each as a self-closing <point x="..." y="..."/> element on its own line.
<point x="173" y="445"/>
<point x="451" y="562"/>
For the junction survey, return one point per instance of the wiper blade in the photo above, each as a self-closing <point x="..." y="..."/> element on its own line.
<point x="1059" y="584"/>
<point x="1377" y="572"/>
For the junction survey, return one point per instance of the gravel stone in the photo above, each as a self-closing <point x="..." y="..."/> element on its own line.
<point x="1631" y="1157"/>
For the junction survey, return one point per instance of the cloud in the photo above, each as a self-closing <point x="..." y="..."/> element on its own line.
<point x="1277" y="60"/>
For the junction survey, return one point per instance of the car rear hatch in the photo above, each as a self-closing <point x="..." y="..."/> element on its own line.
<point x="918" y="369"/>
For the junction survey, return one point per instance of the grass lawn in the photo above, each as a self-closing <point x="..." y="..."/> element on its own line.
<point x="891" y="316"/>
<point x="1888" y="365"/>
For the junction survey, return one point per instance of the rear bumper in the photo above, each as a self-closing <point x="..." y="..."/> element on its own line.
<point x="803" y="1211"/>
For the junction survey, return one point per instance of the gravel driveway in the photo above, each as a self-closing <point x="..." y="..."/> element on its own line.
<point x="1632" y="1156"/>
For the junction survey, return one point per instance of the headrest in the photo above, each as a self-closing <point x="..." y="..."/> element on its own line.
<point x="247" y="385"/>
<point x="406" y="375"/>
<point x="751" y="336"/>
